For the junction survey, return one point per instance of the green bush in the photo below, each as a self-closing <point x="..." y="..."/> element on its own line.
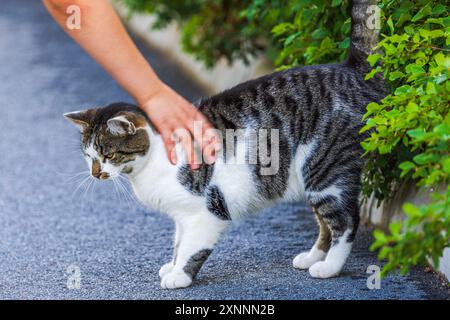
<point x="290" y="32"/>
<point x="410" y="127"/>
<point x="411" y="141"/>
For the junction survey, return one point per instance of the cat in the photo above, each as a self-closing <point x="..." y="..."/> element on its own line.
<point x="314" y="112"/>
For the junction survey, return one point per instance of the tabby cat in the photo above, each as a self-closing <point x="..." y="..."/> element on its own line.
<point x="316" y="113"/>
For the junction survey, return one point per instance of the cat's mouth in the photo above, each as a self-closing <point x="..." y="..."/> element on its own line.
<point x="102" y="175"/>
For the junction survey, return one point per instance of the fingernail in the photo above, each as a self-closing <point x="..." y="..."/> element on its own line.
<point x="213" y="156"/>
<point x="210" y="158"/>
<point x="173" y="157"/>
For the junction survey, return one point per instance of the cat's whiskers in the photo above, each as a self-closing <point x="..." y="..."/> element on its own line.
<point x="82" y="183"/>
<point x="75" y="178"/>
<point x="91" y="183"/>
<point x="124" y="191"/>
<point x="115" y="188"/>
<point x="68" y="176"/>
<point x="125" y="182"/>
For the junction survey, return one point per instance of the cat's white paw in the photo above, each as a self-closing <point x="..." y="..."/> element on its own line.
<point x="324" y="269"/>
<point x="175" y="280"/>
<point x="304" y="260"/>
<point x="165" y="269"/>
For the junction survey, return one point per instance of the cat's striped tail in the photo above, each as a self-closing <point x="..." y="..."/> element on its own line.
<point x="365" y="26"/>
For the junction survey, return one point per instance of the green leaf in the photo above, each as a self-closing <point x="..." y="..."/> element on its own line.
<point x="402" y="90"/>
<point x="336" y="3"/>
<point x="380" y="236"/>
<point x="372" y="73"/>
<point x="411" y="210"/>
<point x="390" y="25"/>
<point x="406" y="166"/>
<point x="414" y="69"/>
<point x="412" y="107"/>
<point x="319" y="33"/>
<point x="438" y="9"/>
<point x="442" y="60"/>
<point x="396" y="75"/>
<point x="282" y="28"/>
<point x="446" y="165"/>
<point x="395" y="228"/>
<point x="291" y="38"/>
<point x="373" y="58"/>
<point x="425" y="158"/>
<point x="416" y="133"/>
<point x="344" y="44"/>
<point x="425" y="11"/>
<point x="430" y="89"/>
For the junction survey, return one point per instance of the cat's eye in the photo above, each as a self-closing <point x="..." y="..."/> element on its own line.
<point x="110" y="156"/>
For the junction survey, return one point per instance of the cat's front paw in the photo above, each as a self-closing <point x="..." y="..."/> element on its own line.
<point x="165" y="269"/>
<point x="304" y="260"/>
<point x="324" y="269"/>
<point x="176" y="279"/>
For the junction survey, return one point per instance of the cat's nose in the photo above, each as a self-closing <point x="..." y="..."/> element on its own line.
<point x="101" y="175"/>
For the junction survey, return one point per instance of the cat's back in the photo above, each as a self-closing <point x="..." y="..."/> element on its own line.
<point x="298" y="95"/>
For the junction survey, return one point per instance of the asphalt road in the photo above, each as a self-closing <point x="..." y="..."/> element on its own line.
<point x="117" y="245"/>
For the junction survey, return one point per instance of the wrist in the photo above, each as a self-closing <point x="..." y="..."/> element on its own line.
<point x="146" y="100"/>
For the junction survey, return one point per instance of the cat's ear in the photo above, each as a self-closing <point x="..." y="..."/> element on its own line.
<point x="81" y="119"/>
<point x="121" y="125"/>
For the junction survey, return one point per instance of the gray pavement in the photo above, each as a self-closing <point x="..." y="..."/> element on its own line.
<point x="118" y="245"/>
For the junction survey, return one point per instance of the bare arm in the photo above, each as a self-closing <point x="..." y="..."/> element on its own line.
<point x="105" y="39"/>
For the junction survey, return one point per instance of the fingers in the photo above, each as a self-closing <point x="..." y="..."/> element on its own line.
<point x="169" y="143"/>
<point x="171" y="137"/>
<point x="180" y="135"/>
<point x="212" y="145"/>
<point x="185" y="138"/>
<point x="199" y="132"/>
<point x="206" y="136"/>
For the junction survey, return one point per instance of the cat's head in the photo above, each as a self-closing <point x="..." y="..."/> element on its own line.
<point x="114" y="139"/>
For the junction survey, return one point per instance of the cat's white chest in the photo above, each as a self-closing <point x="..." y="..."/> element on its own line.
<point x="158" y="188"/>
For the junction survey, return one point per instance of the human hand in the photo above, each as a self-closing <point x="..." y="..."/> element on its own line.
<point x="178" y="120"/>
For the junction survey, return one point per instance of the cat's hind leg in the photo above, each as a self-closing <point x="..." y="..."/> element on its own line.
<point x="342" y="220"/>
<point x="198" y="233"/>
<point x="319" y="251"/>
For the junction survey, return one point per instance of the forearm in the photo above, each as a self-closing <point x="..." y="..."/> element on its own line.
<point x="103" y="37"/>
